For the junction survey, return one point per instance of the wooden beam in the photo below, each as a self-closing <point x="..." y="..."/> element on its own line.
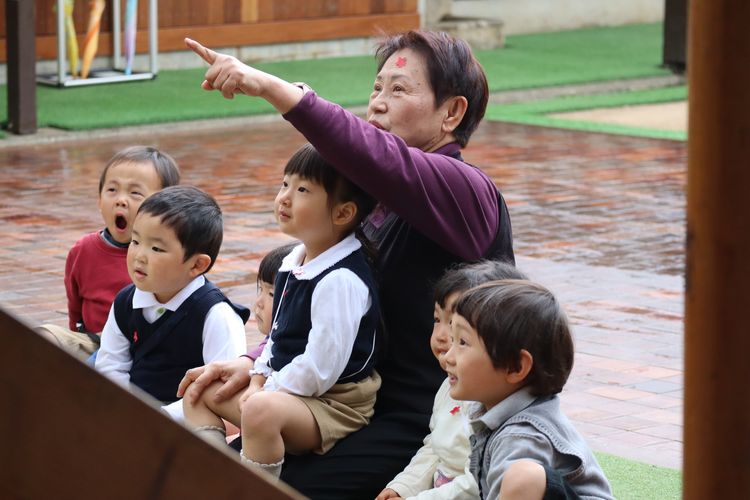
<point x="68" y="432"/>
<point x="21" y="88"/>
<point x="261" y="33"/>
<point x="717" y="330"/>
<point x="288" y="31"/>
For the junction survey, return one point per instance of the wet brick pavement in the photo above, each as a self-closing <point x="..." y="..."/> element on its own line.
<point x="597" y="218"/>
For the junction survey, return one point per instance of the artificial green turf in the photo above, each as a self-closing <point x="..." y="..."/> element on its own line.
<point x="577" y="56"/>
<point x="527" y="61"/>
<point x="638" y="481"/>
<point x="536" y="112"/>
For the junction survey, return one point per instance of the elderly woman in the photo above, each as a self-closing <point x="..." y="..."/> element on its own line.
<point x="434" y="211"/>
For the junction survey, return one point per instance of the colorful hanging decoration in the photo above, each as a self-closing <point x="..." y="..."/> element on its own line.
<point x="91" y="42"/>
<point x="71" y="42"/>
<point x="131" y="14"/>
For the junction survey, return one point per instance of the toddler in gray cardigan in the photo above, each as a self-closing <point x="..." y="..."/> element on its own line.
<point x="512" y="353"/>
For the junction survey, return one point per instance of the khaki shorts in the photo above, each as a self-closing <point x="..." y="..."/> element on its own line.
<point x="79" y="344"/>
<point x="342" y="410"/>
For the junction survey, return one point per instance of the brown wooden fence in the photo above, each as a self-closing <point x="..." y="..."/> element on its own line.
<point x="228" y="23"/>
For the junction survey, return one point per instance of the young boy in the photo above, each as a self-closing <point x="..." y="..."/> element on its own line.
<point x="512" y="353"/>
<point x="171" y="319"/>
<point x="129" y="177"/>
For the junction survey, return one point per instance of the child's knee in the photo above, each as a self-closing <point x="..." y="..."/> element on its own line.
<point x="524" y="479"/>
<point x="260" y="411"/>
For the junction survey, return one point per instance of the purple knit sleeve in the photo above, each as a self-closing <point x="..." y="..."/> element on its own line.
<point x="254" y="353"/>
<point x="452" y="203"/>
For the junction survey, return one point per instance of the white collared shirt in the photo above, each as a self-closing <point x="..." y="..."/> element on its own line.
<point x="223" y="332"/>
<point x="339" y="302"/>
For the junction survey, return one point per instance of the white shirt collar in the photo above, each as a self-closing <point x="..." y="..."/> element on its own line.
<point x="142" y="300"/>
<point x="310" y="270"/>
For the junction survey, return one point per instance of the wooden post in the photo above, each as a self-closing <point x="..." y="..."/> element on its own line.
<point x="717" y="308"/>
<point x="21" y="57"/>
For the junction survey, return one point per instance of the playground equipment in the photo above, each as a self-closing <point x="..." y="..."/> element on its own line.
<point x="118" y="72"/>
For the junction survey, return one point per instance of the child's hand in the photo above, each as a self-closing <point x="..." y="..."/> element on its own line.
<point x="256" y="384"/>
<point x="246" y="395"/>
<point x="388" y="493"/>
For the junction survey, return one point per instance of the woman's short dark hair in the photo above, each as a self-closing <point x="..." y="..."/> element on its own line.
<point x="452" y="70"/>
<point x="271" y="262"/>
<point x="464" y="276"/>
<point x="193" y="215"/>
<point x="511" y="315"/>
<point x="165" y="166"/>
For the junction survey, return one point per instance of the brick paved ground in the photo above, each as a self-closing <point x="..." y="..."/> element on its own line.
<point x="597" y="218"/>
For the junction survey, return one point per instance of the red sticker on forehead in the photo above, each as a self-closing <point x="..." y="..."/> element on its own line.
<point x="401" y="62"/>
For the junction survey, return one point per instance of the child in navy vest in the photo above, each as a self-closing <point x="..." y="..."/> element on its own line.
<point x="129" y="177"/>
<point x="171" y="319"/>
<point x="314" y="383"/>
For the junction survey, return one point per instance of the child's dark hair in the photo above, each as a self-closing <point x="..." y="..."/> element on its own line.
<point x="511" y="315"/>
<point x="193" y="215"/>
<point x="307" y="163"/>
<point x="468" y="275"/>
<point x="165" y="166"/>
<point x="271" y="263"/>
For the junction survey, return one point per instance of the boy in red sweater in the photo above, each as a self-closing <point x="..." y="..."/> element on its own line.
<point x="96" y="267"/>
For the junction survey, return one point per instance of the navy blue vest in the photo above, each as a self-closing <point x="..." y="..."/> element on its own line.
<point x="164" y="350"/>
<point x="293" y="323"/>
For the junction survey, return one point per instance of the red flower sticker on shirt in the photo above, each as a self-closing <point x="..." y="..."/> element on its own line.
<point x="455" y="410"/>
<point x="135" y="336"/>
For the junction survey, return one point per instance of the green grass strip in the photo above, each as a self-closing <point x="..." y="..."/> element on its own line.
<point x="632" y="480"/>
<point x="574" y="57"/>
<point x="527" y="61"/>
<point x="176" y="96"/>
<point x="536" y="112"/>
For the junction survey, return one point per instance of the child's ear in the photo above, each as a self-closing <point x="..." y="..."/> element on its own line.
<point x="344" y="213"/>
<point x="201" y="262"/>
<point x="525" y="362"/>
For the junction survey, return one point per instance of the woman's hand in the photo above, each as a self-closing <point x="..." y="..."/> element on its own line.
<point x="230" y="76"/>
<point x="227" y="74"/>
<point x="387" y="494"/>
<point x="234" y="374"/>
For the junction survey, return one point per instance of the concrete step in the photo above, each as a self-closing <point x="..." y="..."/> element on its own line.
<point x="481" y="33"/>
